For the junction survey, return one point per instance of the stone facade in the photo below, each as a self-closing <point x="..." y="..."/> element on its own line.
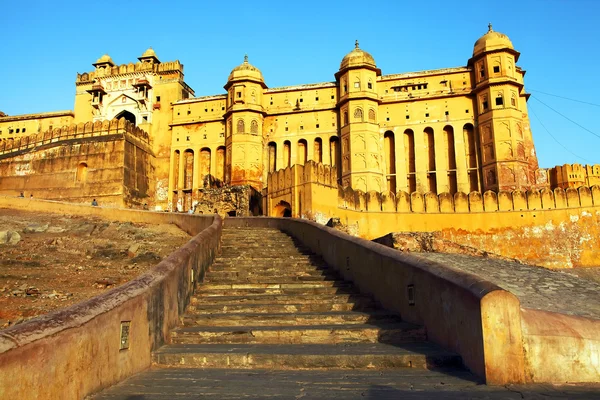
<point x="107" y="161"/>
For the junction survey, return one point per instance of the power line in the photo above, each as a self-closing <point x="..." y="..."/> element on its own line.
<point x="556" y="140"/>
<point x="566" y="98"/>
<point x="567" y="118"/>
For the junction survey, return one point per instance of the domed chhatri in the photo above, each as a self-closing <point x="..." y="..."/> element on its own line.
<point x="149" y="54"/>
<point x="356" y="58"/>
<point x="105" y="59"/>
<point x="245" y="71"/>
<point x="492" y="40"/>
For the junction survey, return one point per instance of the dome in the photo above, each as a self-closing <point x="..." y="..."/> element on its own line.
<point x="104" y="60"/>
<point x="356" y="58"/>
<point x="245" y="71"/>
<point x="492" y="40"/>
<point x="150" y="53"/>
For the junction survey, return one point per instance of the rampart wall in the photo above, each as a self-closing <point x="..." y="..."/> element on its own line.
<point x="555" y="228"/>
<point x="70" y="353"/>
<point x="111" y="161"/>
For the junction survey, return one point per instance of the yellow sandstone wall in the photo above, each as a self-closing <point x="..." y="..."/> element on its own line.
<point x="555" y="228"/>
<point x="108" y="161"/>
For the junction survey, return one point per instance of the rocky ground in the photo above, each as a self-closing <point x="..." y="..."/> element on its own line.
<point x="50" y="261"/>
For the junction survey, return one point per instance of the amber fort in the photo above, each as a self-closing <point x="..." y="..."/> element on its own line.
<point x="137" y="135"/>
<point x="481" y="266"/>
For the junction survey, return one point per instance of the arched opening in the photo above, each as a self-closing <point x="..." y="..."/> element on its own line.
<point x="176" y="157"/>
<point x="451" y="158"/>
<point x="282" y="209"/>
<point x="318" y="150"/>
<point x="302" y="152"/>
<point x="188" y="169"/>
<point x="473" y="156"/>
<point x="430" y="167"/>
<point x="358" y="114"/>
<point x="220" y="167"/>
<point x="127" y="115"/>
<point x="241" y="127"/>
<point x="287" y="154"/>
<point x="272" y="156"/>
<point x="409" y="157"/>
<point x="205" y="159"/>
<point x="81" y="175"/>
<point x="335" y="155"/>
<point x="390" y="160"/>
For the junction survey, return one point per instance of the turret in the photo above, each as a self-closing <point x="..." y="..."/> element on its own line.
<point x="361" y="154"/>
<point x="243" y="128"/>
<point x="508" y="155"/>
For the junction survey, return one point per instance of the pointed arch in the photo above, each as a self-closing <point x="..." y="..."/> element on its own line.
<point x="254" y="127"/>
<point x="241" y="127"/>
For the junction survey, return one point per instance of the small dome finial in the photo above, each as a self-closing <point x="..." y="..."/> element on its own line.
<point x="246" y="58"/>
<point x="356" y="44"/>
<point x="490" y="27"/>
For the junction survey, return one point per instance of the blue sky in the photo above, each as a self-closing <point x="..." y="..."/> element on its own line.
<point x="44" y="44"/>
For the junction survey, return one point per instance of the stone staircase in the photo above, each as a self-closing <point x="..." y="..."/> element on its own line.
<point x="269" y="303"/>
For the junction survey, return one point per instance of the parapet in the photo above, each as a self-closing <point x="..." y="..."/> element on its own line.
<point x="517" y="200"/>
<point x="88" y="130"/>
<point x="169" y="66"/>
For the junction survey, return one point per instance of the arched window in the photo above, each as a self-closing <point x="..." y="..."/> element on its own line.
<point x="345" y="117"/>
<point x="370" y="84"/>
<point x="254" y="127"/>
<point x="358" y="113"/>
<point x="81" y="175"/>
<point x="499" y="100"/>
<point x="241" y="128"/>
<point x="371" y="115"/>
<point x="229" y="128"/>
<point x="513" y="100"/>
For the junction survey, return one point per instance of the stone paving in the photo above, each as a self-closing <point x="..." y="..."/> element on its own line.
<point x="536" y="287"/>
<point x="407" y="383"/>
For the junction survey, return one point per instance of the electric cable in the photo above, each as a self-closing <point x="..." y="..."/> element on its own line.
<point x="567" y="118"/>
<point x="566" y="98"/>
<point x="556" y="140"/>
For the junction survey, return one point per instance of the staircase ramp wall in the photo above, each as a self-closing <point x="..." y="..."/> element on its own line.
<point x="76" y="351"/>
<point x="461" y="312"/>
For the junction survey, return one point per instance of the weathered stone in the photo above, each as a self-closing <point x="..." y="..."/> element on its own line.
<point x="36" y="228"/>
<point x="9" y="237"/>
<point x="133" y="250"/>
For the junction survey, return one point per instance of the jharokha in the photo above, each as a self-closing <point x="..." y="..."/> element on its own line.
<point x="366" y="141"/>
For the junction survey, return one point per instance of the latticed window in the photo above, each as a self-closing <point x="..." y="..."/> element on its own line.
<point x="254" y="127"/>
<point x="241" y="128"/>
<point x="371" y="115"/>
<point x="358" y="114"/>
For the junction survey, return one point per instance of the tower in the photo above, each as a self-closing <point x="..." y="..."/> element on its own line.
<point x="508" y="155"/>
<point x="244" y="126"/>
<point x="358" y="103"/>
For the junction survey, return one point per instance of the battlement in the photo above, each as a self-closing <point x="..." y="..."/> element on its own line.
<point x="22" y="117"/>
<point x="88" y="130"/>
<point x="575" y="175"/>
<point x="169" y="66"/>
<point x="293" y="179"/>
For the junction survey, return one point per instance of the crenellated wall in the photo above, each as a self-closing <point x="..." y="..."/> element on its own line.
<point x="110" y="161"/>
<point x="575" y="175"/>
<point x="556" y="228"/>
<point x="88" y="77"/>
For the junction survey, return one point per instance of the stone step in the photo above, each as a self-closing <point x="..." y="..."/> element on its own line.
<point x="307" y="356"/>
<point x="266" y="270"/>
<point x="300" y="291"/>
<point x="289" y="319"/>
<point x="273" y="285"/>
<point x="280" y="278"/>
<point x="279" y="298"/>
<point x="365" y="304"/>
<point x="396" y="333"/>
<point x="238" y="264"/>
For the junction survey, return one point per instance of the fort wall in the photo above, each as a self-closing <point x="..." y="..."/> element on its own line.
<point x="110" y="161"/>
<point x="554" y="228"/>
<point x="78" y="349"/>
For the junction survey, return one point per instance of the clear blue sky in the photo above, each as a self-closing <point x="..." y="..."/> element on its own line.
<point x="44" y="44"/>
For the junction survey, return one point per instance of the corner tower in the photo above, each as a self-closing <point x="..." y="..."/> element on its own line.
<point x="508" y="155"/>
<point x="358" y="103"/>
<point x="244" y="126"/>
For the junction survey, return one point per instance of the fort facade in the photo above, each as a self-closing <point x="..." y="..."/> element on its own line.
<point x="447" y="131"/>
